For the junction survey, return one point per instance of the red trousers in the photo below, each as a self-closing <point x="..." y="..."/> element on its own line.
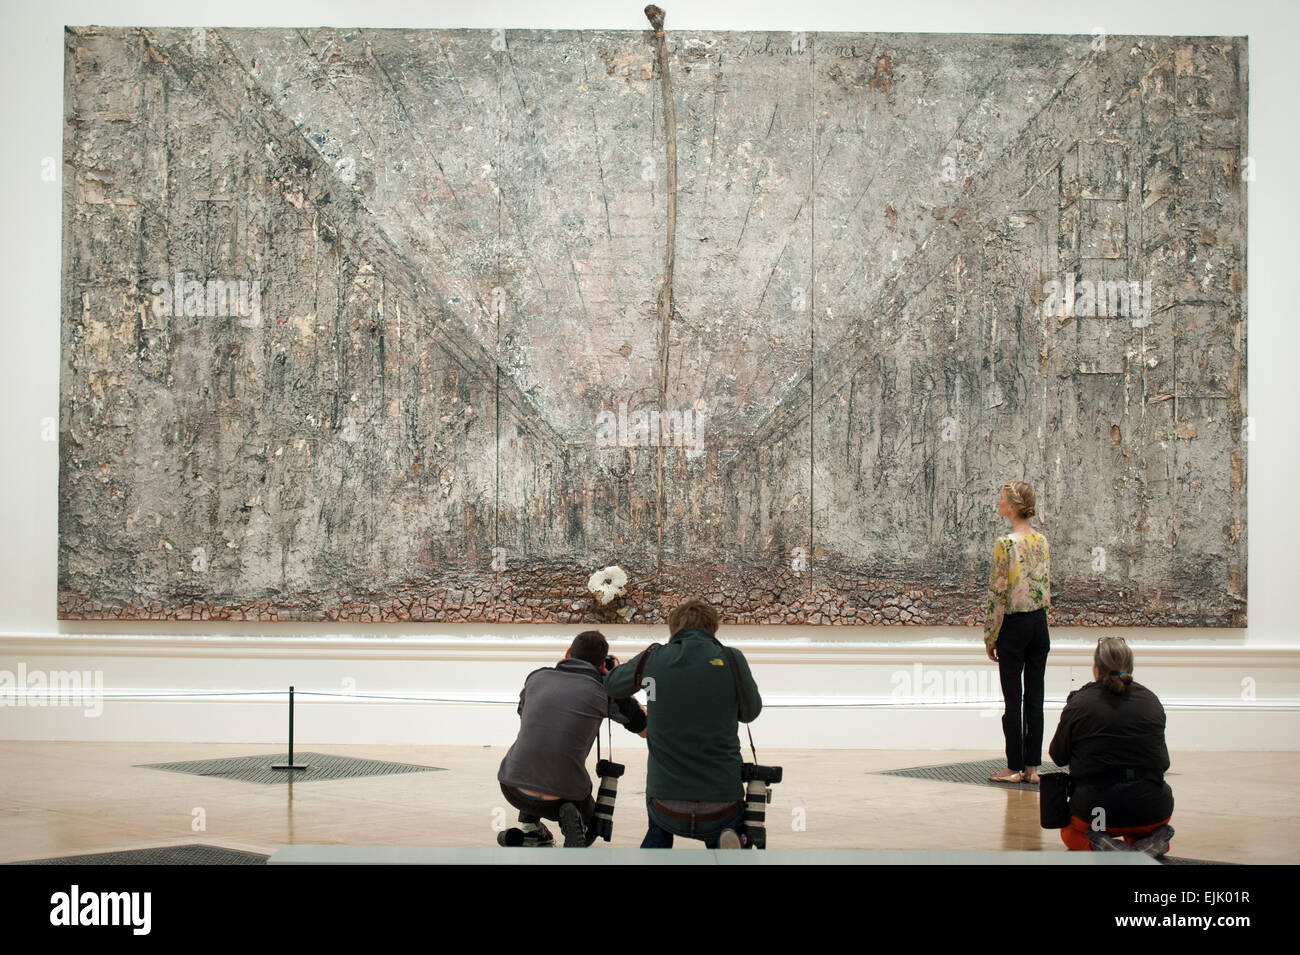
<point x="1075" y="836"/>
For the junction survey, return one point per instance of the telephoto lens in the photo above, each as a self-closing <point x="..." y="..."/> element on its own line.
<point x="757" y="796"/>
<point x="609" y="772"/>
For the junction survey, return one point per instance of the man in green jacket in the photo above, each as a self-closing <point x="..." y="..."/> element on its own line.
<point x="697" y="691"/>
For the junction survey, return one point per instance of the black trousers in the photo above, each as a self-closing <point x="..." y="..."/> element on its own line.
<point x="1022" y="646"/>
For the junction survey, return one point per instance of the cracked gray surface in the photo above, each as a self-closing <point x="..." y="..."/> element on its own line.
<point x="459" y="248"/>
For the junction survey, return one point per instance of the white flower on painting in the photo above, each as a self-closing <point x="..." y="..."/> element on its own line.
<point x="608" y="584"/>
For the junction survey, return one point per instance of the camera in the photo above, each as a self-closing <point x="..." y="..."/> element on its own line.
<point x="766" y="774"/>
<point x="610" y="663"/>
<point x="757" y="779"/>
<point x="609" y="773"/>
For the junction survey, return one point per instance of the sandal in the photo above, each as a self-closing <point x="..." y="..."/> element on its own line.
<point x="1006" y="776"/>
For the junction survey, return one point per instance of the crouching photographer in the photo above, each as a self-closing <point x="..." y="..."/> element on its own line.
<point x="1112" y="737"/>
<point x="544" y="774"/>
<point x="698" y="691"/>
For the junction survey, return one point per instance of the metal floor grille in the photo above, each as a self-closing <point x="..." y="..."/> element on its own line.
<point x="1178" y="860"/>
<point x="976" y="773"/>
<point x="257" y="769"/>
<point x="973" y="773"/>
<point x="160" y="855"/>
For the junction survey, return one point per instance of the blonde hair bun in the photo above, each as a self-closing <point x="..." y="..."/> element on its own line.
<point x="1021" y="498"/>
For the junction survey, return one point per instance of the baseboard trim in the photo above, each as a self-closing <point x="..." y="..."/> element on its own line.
<point x="1071" y="652"/>
<point x="443" y="690"/>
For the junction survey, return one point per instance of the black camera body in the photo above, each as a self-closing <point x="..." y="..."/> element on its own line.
<point x="607" y="768"/>
<point x="764" y="774"/>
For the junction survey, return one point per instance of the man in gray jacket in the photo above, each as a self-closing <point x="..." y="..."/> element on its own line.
<point x="544" y="774"/>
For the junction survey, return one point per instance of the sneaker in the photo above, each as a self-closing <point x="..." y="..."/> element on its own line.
<point x="1156" y="844"/>
<point x="730" y="839"/>
<point x="531" y="838"/>
<point x="575" y="833"/>
<point x="1105" y="842"/>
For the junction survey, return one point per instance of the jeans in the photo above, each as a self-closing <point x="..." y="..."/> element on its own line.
<point x="532" y="809"/>
<point x="1022" y="645"/>
<point x="660" y="833"/>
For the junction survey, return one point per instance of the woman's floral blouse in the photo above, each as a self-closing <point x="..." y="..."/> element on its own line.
<point x="1019" y="575"/>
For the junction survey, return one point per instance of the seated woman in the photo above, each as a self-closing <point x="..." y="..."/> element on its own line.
<point x="1112" y="737"/>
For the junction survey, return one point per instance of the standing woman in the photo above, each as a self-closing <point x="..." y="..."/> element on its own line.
<point x="1015" y="631"/>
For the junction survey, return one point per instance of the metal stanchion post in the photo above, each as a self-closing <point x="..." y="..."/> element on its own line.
<point x="290" y="764"/>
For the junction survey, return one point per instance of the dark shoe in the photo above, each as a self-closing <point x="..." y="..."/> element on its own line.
<point x="1157" y="843"/>
<point x="1105" y="842"/>
<point x="516" y="838"/>
<point x="575" y="833"/>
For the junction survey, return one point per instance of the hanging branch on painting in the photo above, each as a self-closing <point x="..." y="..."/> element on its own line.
<point x="665" y="301"/>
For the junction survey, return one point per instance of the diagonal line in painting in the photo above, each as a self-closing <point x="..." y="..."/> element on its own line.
<point x="362" y="125"/>
<point x="840" y="358"/>
<point x="430" y="228"/>
<point x="458" y="345"/>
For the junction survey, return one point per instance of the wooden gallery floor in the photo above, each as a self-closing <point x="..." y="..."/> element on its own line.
<point x="60" y="799"/>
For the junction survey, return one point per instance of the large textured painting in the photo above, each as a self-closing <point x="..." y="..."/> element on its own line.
<point x="380" y="325"/>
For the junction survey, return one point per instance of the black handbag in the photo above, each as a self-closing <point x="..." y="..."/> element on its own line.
<point x="1054" y="800"/>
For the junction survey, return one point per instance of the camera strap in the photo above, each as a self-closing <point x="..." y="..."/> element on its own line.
<point x="640" y="666"/>
<point x="735" y="682"/>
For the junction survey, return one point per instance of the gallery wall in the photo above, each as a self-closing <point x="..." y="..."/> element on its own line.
<point x="1199" y="665"/>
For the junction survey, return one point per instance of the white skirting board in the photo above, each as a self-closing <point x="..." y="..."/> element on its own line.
<point x="441" y="691"/>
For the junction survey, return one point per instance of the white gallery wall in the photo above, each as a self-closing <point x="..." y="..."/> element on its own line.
<point x="897" y="687"/>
